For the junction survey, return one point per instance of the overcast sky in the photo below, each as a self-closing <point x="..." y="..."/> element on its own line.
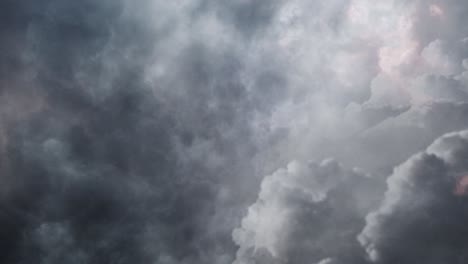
<point x="233" y="131"/>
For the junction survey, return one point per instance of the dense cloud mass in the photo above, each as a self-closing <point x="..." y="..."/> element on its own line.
<point x="306" y="213"/>
<point x="233" y="131"/>
<point x="423" y="215"/>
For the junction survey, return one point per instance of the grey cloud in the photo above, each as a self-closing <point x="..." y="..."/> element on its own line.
<point x="429" y="27"/>
<point x="112" y="168"/>
<point x="421" y="218"/>
<point x="140" y="132"/>
<point x="410" y="132"/>
<point x="307" y="213"/>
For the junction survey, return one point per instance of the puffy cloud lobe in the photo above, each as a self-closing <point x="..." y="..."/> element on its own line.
<point x="373" y="64"/>
<point x="307" y="213"/>
<point x="422" y="218"/>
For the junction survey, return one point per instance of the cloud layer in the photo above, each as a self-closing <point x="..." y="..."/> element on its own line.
<point x="183" y="131"/>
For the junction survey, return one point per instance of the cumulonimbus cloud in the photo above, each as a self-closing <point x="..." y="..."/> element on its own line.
<point x="307" y="213"/>
<point x="142" y="132"/>
<point x="422" y="216"/>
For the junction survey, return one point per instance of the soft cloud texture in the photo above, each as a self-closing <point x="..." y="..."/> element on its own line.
<point x="422" y="218"/>
<point x="306" y="213"/>
<point x="141" y="132"/>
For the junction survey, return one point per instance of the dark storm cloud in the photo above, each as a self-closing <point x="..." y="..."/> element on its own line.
<point x="115" y="167"/>
<point x="248" y="17"/>
<point x="422" y="219"/>
<point x="140" y="132"/>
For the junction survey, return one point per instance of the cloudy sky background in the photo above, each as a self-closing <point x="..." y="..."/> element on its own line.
<point x="233" y="132"/>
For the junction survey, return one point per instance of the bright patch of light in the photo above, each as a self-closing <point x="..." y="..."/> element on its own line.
<point x="436" y="11"/>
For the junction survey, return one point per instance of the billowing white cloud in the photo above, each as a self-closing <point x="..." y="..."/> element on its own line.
<point x="306" y="212"/>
